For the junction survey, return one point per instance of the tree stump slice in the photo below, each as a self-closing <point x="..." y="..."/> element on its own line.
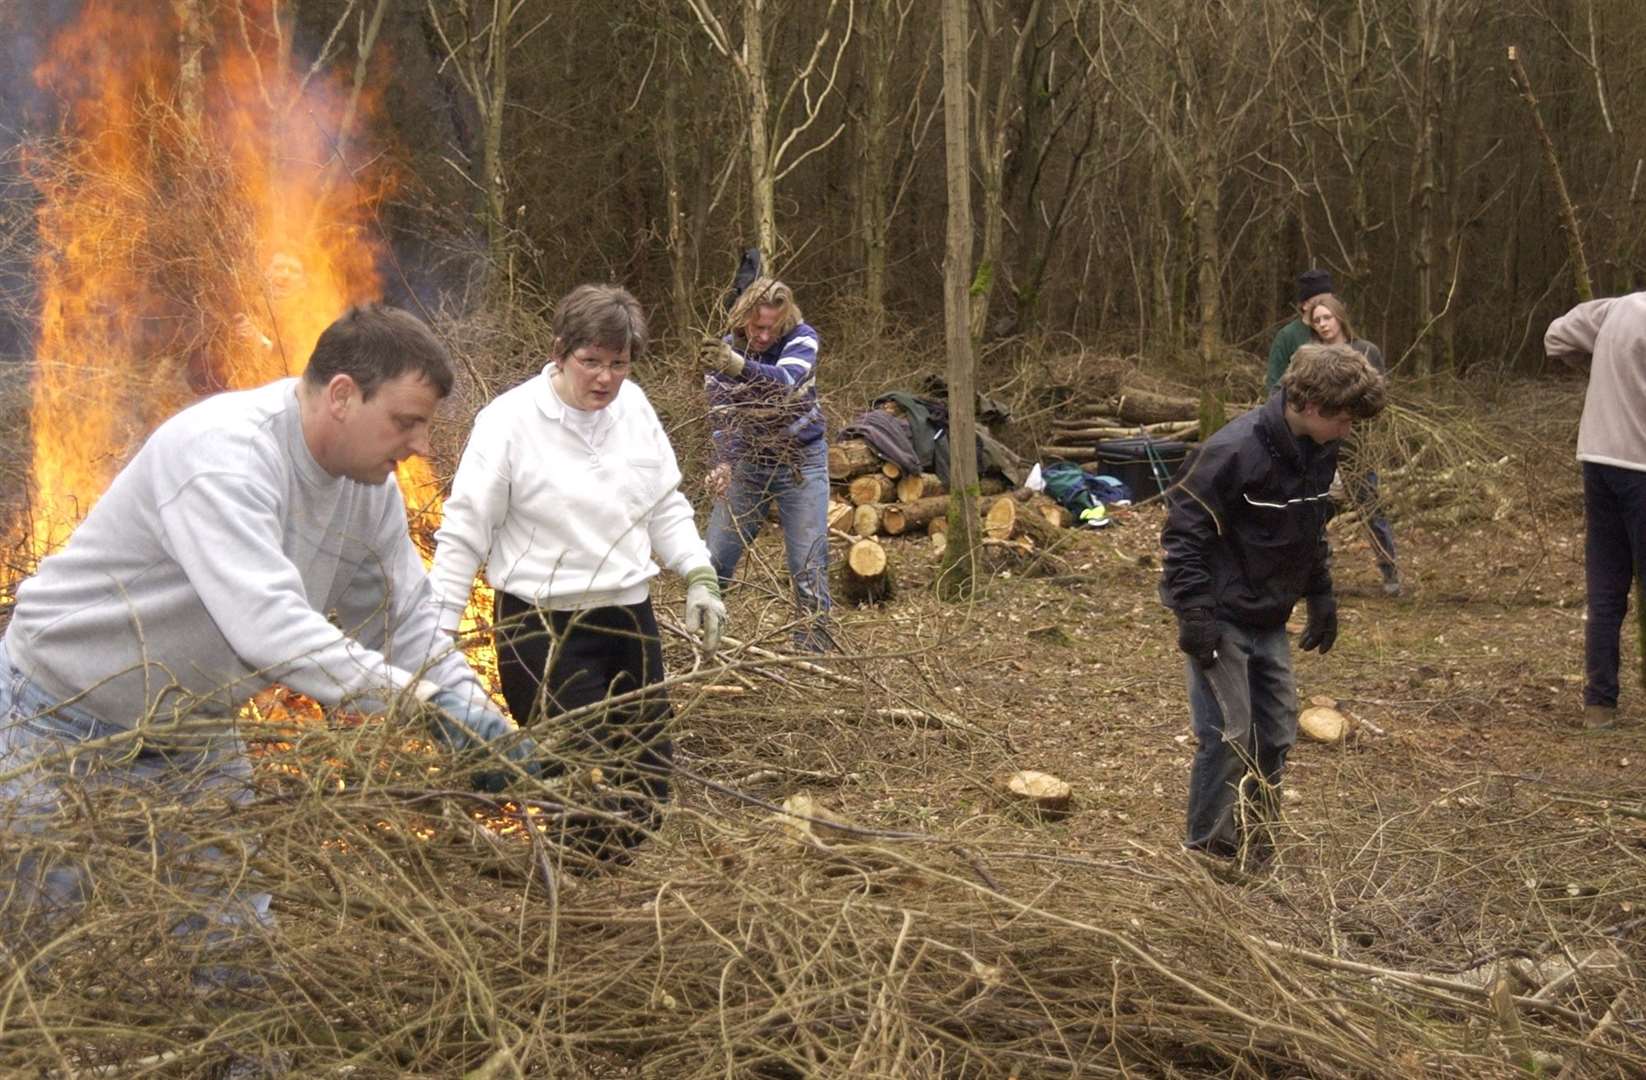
<point x="1324" y="724"/>
<point x="1043" y="793"/>
<point x="1000" y="519"/>
<point x="868" y="578"/>
<point x="1053" y="511"/>
<point x="866" y="520"/>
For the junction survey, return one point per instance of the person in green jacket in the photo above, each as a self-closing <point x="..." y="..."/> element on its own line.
<point x="1310" y="284"/>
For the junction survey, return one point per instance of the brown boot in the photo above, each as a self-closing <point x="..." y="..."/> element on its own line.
<point x="1599" y="717"/>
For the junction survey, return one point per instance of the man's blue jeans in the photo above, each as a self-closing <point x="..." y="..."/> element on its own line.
<point x="55" y="757"/>
<point x="1614" y="558"/>
<point x="801" y="489"/>
<point x="1221" y="766"/>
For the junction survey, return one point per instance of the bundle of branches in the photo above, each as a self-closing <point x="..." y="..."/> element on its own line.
<point x="1439" y="464"/>
<point x="423" y="928"/>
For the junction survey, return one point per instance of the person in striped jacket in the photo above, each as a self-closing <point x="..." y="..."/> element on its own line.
<point x="770" y="444"/>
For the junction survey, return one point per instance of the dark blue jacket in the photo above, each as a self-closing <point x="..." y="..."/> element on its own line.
<point x="1246" y="521"/>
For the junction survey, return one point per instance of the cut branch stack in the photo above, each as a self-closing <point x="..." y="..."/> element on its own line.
<point x="1080" y="426"/>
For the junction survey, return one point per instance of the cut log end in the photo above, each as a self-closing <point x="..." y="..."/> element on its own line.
<point x="1040" y="792"/>
<point x="867" y="574"/>
<point x="1324" y="724"/>
<point x="871" y="488"/>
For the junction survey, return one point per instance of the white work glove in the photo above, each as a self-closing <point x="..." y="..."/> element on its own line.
<point x="716" y="355"/>
<point x="705" y="614"/>
<point x="718" y="480"/>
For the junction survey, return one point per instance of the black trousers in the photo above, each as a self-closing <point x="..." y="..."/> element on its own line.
<point x="552" y="662"/>
<point x="1614" y="558"/>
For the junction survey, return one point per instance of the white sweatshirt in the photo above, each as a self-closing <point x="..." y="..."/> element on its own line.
<point x="565" y="508"/>
<point x="223" y="558"/>
<point x="1613" y="332"/>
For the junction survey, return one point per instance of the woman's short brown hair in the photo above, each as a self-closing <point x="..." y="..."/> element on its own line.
<point x="1334" y="378"/>
<point x="607" y="316"/>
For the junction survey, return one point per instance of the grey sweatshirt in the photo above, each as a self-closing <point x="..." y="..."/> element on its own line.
<point x="223" y="558"/>
<point x="1613" y="332"/>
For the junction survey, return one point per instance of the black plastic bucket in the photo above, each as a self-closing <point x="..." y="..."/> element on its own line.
<point x="1128" y="460"/>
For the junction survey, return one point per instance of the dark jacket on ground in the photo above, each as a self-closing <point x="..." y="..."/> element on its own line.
<point x="1246" y="520"/>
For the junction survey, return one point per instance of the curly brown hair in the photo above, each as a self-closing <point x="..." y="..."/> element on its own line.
<point x="1334" y="378"/>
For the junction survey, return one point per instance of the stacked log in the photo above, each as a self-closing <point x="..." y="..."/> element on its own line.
<point x="914" y="488"/>
<point x="1078" y="428"/>
<point x="852" y="457"/>
<point x="1008" y="519"/>
<point x="899" y="518"/>
<point x="872" y="487"/>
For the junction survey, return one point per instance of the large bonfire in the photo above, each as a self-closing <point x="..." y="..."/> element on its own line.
<point x="201" y="220"/>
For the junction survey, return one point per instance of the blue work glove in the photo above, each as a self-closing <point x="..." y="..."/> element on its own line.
<point x="1198" y="635"/>
<point x="705" y="613"/>
<point x="1320" y="632"/>
<point x="467" y="723"/>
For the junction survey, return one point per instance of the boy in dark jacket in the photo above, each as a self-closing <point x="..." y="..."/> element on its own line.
<point x="1245" y="538"/>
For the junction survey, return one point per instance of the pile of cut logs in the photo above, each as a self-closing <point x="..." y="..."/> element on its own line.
<point x="874" y="498"/>
<point x="1080" y="426"/>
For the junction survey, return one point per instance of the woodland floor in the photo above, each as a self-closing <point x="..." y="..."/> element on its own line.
<point x="952" y="934"/>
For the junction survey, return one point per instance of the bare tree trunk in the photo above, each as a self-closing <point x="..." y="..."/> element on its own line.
<point x="1208" y="254"/>
<point x="958" y="578"/>
<point x="680" y="278"/>
<point x="992" y="167"/>
<point x="1557" y="180"/>
<point x="492" y="155"/>
<point x="875" y="202"/>
<point x="1424" y="181"/>
<point x="193" y="34"/>
<point x="762" y="186"/>
<point x="477" y="46"/>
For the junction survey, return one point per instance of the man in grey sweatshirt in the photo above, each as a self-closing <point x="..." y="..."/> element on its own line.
<point x="257" y="537"/>
<point x="1610" y="336"/>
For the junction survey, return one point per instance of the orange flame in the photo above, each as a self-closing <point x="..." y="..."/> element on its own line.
<point x="199" y="228"/>
<point x="201" y="222"/>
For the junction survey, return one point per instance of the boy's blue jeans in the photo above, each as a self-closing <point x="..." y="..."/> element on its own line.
<point x="55" y="757"/>
<point x="801" y="489"/>
<point x="1221" y="765"/>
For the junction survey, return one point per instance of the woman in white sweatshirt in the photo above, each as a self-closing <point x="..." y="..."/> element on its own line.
<point x="568" y="494"/>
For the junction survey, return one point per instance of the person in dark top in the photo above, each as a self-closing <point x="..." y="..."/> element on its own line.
<point x="1295" y="334"/>
<point x="1329" y="320"/>
<point x="1245" y="539"/>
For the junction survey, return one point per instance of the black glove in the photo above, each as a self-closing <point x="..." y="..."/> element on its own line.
<point x="1320" y="632"/>
<point x="468" y="723"/>
<point x="1197" y="635"/>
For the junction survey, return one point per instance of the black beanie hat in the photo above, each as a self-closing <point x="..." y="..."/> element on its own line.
<point x="1312" y="283"/>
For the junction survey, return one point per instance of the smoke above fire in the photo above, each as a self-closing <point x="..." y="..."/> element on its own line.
<point x="202" y="216"/>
